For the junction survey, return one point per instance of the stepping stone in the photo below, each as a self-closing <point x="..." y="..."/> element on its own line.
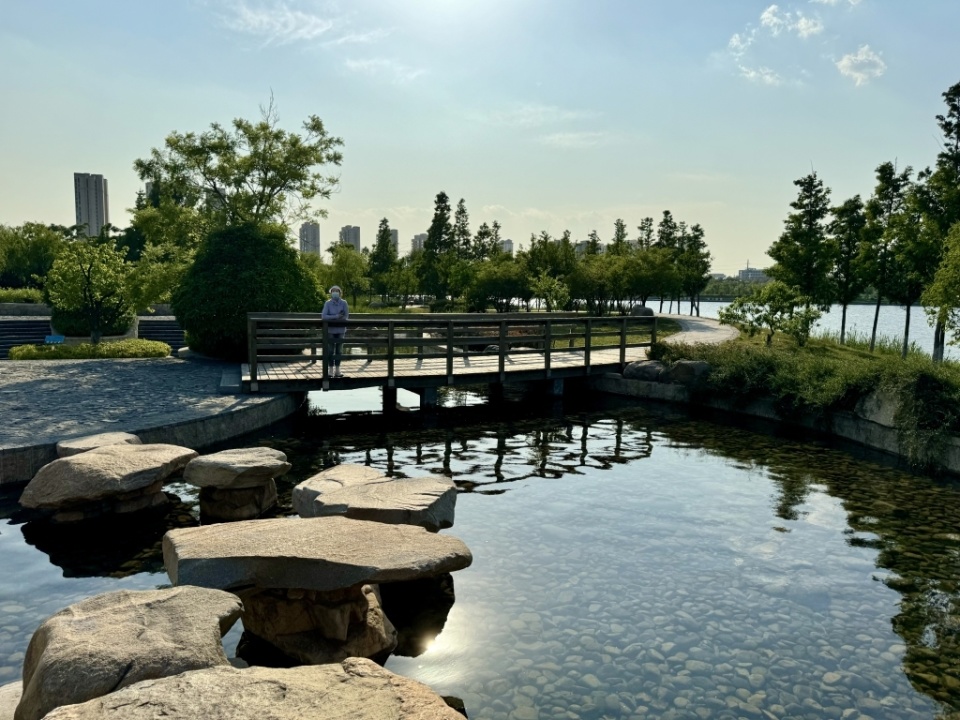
<point x="9" y="697"/>
<point x="326" y="553"/>
<point x="358" y="492"/>
<point x="68" y="448"/>
<point x="356" y="688"/>
<point x="235" y="469"/>
<point x="112" y="478"/>
<point x="119" y="638"/>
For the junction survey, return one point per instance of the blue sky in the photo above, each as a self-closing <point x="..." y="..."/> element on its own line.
<point x="542" y="114"/>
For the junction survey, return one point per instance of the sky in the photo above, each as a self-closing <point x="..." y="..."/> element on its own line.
<point x="541" y="114"/>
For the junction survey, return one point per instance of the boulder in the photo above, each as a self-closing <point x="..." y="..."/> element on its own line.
<point x="243" y="504"/>
<point x="9" y="697"/>
<point x="119" y="638"/>
<point x="428" y="501"/>
<point x="111" y="471"/>
<point x="648" y="370"/>
<point x="689" y="373"/>
<point x="68" y="448"/>
<point x="234" y="469"/>
<point x="326" y="553"/>
<point x="641" y="311"/>
<point x="317" y="628"/>
<point x="356" y="688"/>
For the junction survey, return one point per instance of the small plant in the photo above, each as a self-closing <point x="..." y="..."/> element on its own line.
<point x="21" y="295"/>
<point x="89" y="351"/>
<point x="773" y="306"/>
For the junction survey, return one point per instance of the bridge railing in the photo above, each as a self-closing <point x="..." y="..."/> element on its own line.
<point x="431" y="337"/>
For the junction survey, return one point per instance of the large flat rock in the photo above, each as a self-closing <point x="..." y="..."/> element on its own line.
<point x="326" y="553"/>
<point x="75" y="446"/>
<point x="101" y="473"/>
<point x="116" y="639"/>
<point x="359" y="493"/>
<point x="9" y="697"/>
<point x="236" y="469"/>
<point x="356" y="688"/>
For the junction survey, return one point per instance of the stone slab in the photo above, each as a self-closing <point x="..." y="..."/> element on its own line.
<point x="9" y="698"/>
<point x="356" y="688"/>
<point x="75" y="446"/>
<point x="237" y="468"/>
<point x="326" y="553"/>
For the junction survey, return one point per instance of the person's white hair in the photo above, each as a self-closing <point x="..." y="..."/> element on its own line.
<point x="335" y="287"/>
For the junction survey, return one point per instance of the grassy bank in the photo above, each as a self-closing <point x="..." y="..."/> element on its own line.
<point x="825" y="377"/>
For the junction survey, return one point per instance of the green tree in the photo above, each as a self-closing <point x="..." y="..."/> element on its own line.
<point x="693" y="265"/>
<point x="27" y="253"/>
<point x="482" y="246"/>
<point x="646" y="234"/>
<point x="649" y="272"/>
<point x="437" y="249"/>
<point x="382" y="259"/>
<point x="888" y="201"/>
<point x="803" y="254"/>
<point x="402" y="280"/>
<point x="619" y="245"/>
<point x="462" y="240"/>
<point x="350" y="270"/>
<point x="90" y="279"/>
<point x="774" y="306"/>
<point x="498" y="282"/>
<point x="252" y="172"/>
<point x="552" y="291"/>
<point x="849" y="274"/>
<point x="594" y="246"/>
<point x="942" y="296"/>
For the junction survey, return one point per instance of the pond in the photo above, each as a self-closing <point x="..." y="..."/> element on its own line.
<point x="628" y="562"/>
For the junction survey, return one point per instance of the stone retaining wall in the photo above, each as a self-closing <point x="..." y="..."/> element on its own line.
<point x="871" y="425"/>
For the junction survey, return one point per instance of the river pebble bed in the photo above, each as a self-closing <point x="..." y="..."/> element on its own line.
<point x="629" y="564"/>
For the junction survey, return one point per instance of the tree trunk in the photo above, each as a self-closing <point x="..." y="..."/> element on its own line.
<point x="843" y="325"/>
<point x="876" y="317"/>
<point x="906" y="335"/>
<point x="939" y="340"/>
<point x="661" y="305"/>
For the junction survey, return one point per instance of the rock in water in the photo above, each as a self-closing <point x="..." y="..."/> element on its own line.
<point x="355" y="492"/>
<point x="235" y="469"/>
<point x="356" y="688"/>
<point x="119" y="638"/>
<point x="327" y="553"/>
<point x="75" y="446"/>
<point x="9" y="697"/>
<point x="241" y="504"/>
<point x="648" y="370"/>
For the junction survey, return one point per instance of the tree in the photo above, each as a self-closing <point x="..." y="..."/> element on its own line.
<point x="553" y="292"/>
<point x="382" y="259"/>
<point x="773" y="306"/>
<point x="27" y="253"/>
<point x="888" y="200"/>
<point x="942" y="296"/>
<point x="646" y="233"/>
<point x="350" y="270"/>
<point x="461" y="239"/>
<point x="803" y="254"/>
<point x="437" y="247"/>
<point x="848" y="274"/>
<point x="693" y="265"/>
<point x="498" y="282"/>
<point x="483" y="242"/>
<point x="90" y="280"/>
<point x="402" y="280"/>
<point x="619" y="244"/>
<point x="594" y="246"/>
<point x="252" y="172"/>
<point x="651" y="271"/>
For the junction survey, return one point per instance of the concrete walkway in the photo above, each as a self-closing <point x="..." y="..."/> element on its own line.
<point x="700" y="330"/>
<point x="162" y="400"/>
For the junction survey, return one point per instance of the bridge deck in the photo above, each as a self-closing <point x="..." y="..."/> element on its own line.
<point x="430" y="372"/>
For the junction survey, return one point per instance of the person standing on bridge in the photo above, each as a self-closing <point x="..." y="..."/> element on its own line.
<point x="335" y="310"/>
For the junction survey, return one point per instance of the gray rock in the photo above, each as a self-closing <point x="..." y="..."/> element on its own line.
<point x="233" y="469"/>
<point x="68" y="448"/>
<point x="648" y="370"/>
<point x="241" y="504"/>
<point x="9" y="697"/>
<point x="116" y="639"/>
<point x="641" y="311"/>
<point x="327" y="553"/>
<point x="104" y="472"/>
<point x="356" y="688"/>
<point x="689" y="373"/>
<point x="355" y="493"/>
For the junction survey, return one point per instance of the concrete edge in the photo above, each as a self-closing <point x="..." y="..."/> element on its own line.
<point x="18" y="465"/>
<point x="845" y="425"/>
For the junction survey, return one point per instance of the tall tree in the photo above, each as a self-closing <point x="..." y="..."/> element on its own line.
<point x="848" y="274"/>
<point x="461" y="231"/>
<point x="437" y="248"/>
<point x="888" y="201"/>
<point x="942" y="296"/>
<point x="619" y="245"/>
<point x="693" y="265"/>
<point x="645" y="235"/>
<point x="803" y="255"/>
<point x="594" y="246"/>
<point x="482" y="243"/>
<point x="382" y="259"/>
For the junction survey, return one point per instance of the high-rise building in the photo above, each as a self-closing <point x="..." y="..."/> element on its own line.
<point x="350" y="235"/>
<point x="90" y="200"/>
<point x="395" y="239"/>
<point x="752" y="275"/>
<point x="507" y="246"/>
<point x="417" y="242"/>
<point x="310" y="238"/>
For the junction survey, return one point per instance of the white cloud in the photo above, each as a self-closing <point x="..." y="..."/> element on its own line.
<point x="761" y="75"/>
<point x="385" y="68"/>
<point x="360" y="38"/>
<point x="805" y="27"/>
<point x="835" y="2"/>
<point x="862" y="66"/>
<point x="279" y="23"/>
<point x="740" y="43"/>
<point x="774" y="19"/>
<point x="533" y="115"/>
<point x="574" y="140"/>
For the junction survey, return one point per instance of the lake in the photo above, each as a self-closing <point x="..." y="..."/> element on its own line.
<point x="628" y="563"/>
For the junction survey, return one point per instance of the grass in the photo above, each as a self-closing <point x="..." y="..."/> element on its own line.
<point x="89" y="351"/>
<point x="825" y="377"/>
<point x="20" y="295"/>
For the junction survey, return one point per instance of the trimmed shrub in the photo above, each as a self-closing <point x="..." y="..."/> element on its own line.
<point x="21" y="295"/>
<point x="89" y="351"/>
<point x="75" y="323"/>
<point x="238" y="270"/>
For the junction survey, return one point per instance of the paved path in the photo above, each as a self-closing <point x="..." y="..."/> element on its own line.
<point x="700" y="330"/>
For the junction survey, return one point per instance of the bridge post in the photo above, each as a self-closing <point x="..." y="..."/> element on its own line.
<point x="389" y="399"/>
<point x="252" y="353"/>
<point x="555" y="387"/>
<point x="428" y="398"/>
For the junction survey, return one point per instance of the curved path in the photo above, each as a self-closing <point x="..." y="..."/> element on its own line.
<point x="162" y="400"/>
<point x="700" y="330"/>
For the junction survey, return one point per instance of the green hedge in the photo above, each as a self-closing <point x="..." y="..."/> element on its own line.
<point x="88" y="351"/>
<point x="21" y="295"/>
<point x="74" y="323"/>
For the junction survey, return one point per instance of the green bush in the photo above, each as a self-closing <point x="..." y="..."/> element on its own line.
<point x="21" y="295"/>
<point x="75" y="323"/>
<point x="88" y="351"/>
<point x="240" y="269"/>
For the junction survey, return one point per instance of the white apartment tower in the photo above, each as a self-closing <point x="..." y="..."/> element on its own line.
<point x="310" y="238"/>
<point x="90" y="200"/>
<point x="417" y="242"/>
<point x="350" y="235"/>
<point x="395" y="239"/>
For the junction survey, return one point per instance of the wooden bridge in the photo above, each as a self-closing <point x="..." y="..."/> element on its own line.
<point x="422" y="352"/>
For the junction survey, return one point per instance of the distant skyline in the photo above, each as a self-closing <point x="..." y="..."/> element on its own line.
<point x="542" y="115"/>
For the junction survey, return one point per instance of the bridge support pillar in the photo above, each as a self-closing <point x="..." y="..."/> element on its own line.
<point x="555" y="387"/>
<point x="389" y="400"/>
<point x="496" y="392"/>
<point x="428" y="398"/>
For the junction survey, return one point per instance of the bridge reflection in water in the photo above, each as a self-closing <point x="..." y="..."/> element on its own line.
<point x="425" y="351"/>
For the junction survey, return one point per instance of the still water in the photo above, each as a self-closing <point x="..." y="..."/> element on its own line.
<point x="628" y="563"/>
